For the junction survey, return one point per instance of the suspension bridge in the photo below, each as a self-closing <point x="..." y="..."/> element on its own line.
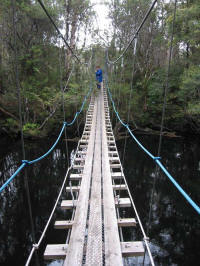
<point x="94" y="237"/>
<point x="98" y="189"/>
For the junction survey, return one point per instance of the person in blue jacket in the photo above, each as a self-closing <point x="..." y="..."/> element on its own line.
<point x="99" y="77"/>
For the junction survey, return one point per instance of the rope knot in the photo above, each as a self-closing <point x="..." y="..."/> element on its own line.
<point x="126" y="125"/>
<point x="65" y="123"/>
<point x="146" y="238"/>
<point x="156" y="158"/>
<point x="35" y="246"/>
<point x="25" y="161"/>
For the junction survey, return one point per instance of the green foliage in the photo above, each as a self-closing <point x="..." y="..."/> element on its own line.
<point x="31" y="129"/>
<point x="190" y="85"/>
<point x="41" y="62"/>
<point x="11" y="123"/>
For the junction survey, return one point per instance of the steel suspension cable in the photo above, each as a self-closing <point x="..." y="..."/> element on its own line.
<point x="136" y="33"/>
<point x="58" y="31"/>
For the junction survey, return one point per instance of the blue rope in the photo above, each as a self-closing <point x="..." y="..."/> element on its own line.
<point x="50" y="150"/>
<point x="13" y="176"/>
<point x="26" y="162"/>
<point x="156" y="159"/>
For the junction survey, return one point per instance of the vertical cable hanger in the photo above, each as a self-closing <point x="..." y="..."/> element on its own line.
<point x="130" y="97"/>
<point x="16" y="71"/>
<point x="166" y="85"/>
<point x="129" y="107"/>
<point x="63" y="103"/>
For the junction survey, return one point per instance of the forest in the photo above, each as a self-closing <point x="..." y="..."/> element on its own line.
<point x="38" y="70"/>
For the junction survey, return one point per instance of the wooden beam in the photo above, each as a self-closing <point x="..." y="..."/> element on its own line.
<point x="68" y="204"/>
<point x="114" y="159"/>
<point x="63" y="224"/>
<point x="77" y="239"/>
<point x="55" y="252"/>
<point x="117" y="175"/>
<point x="126" y="222"/>
<point x="119" y="187"/>
<point x="78" y="166"/>
<point x="94" y="232"/>
<point x="74" y="189"/>
<point x="132" y="249"/>
<point x="115" y="165"/>
<point x="122" y="202"/>
<point x="80" y="160"/>
<point x="81" y="152"/>
<point x="75" y="177"/>
<point x="113" y="254"/>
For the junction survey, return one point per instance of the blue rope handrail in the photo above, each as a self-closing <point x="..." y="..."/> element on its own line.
<point x="26" y="162"/>
<point x="156" y="159"/>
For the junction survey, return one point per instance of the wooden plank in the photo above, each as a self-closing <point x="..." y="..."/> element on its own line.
<point x="55" y="252"/>
<point x="68" y="204"/>
<point x="81" y="152"/>
<point x="75" y="177"/>
<point x="112" y="147"/>
<point x="113" y="154"/>
<point x="132" y="249"/>
<point x="115" y="165"/>
<point x="114" y="160"/>
<point x="113" y="254"/>
<point x="122" y="202"/>
<point x="78" y="166"/>
<point x="94" y="241"/>
<point x="126" y="222"/>
<point x="80" y="160"/>
<point x="117" y="175"/>
<point x="74" y="189"/>
<point x="119" y="187"/>
<point x="83" y="146"/>
<point x="63" y="224"/>
<point x="111" y="143"/>
<point x="110" y="139"/>
<point x="83" y="141"/>
<point x="76" y="243"/>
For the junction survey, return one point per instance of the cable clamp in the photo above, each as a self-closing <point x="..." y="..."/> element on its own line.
<point x="35" y="246"/>
<point x="146" y="238"/>
<point x="156" y="158"/>
<point x="25" y="161"/>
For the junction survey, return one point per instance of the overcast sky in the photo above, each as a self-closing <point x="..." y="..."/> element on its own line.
<point x="102" y="22"/>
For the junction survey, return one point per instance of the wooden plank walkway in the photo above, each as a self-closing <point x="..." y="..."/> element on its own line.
<point x="94" y="238"/>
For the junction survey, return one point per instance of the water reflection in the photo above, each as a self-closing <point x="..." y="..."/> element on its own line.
<point x="174" y="229"/>
<point x="175" y="226"/>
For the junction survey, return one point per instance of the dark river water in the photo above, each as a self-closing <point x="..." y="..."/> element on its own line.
<point x="174" y="228"/>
